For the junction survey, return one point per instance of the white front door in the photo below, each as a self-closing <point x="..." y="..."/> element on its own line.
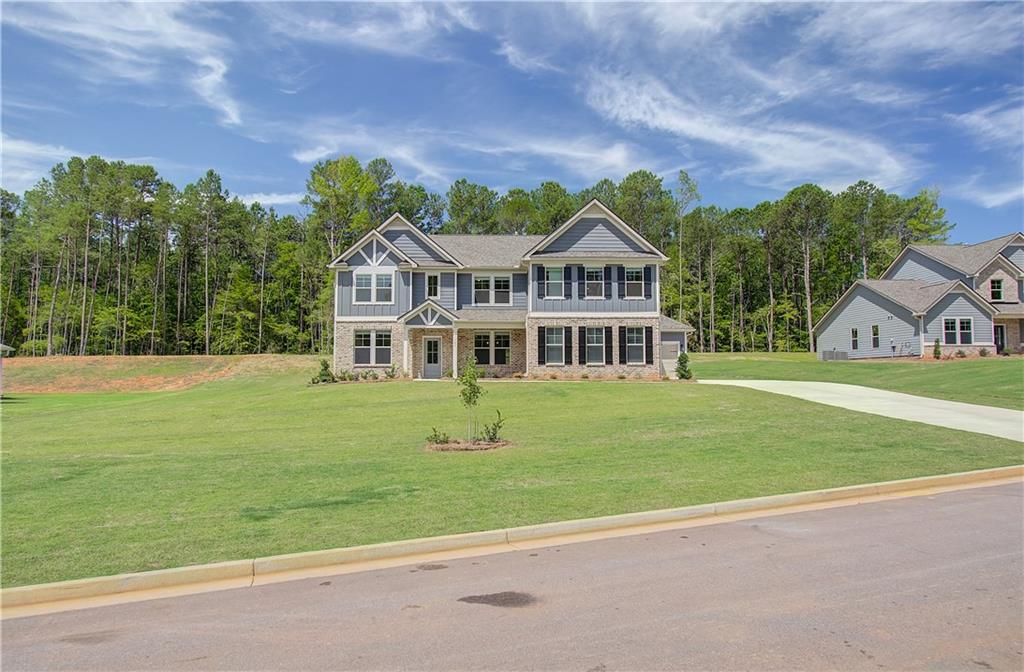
<point x="431" y="356"/>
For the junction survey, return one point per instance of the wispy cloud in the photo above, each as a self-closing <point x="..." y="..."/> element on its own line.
<point x="999" y="124"/>
<point x="23" y="162"/>
<point x="140" y="43"/>
<point x="989" y="192"/>
<point x="520" y="60"/>
<point x="272" y="198"/>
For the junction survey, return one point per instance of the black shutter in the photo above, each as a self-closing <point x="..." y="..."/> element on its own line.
<point x="540" y="282"/>
<point x="567" y="282"/>
<point x="647" y="283"/>
<point x="622" y="345"/>
<point x="608" y="283"/>
<point x="608" y="345"/>
<point x="622" y="281"/>
<point x="581" y="285"/>
<point x="582" y="333"/>
<point x="540" y="345"/>
<point x="649" y="344"/>
<point x="567" y="345"/>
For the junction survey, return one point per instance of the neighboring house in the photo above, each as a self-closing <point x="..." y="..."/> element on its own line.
<point x="581" y="300"/>
<point x="968" y="297"/>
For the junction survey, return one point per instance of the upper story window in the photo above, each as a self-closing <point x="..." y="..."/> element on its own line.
<point x="433" y="286"/>
<point x="595" y="283"/>
<point x="374" y="288"/>
<point x="553" y="283"/>
<point x="492" y="290"/>
<point x="634" y="283"/>
<point x="995" y="289"/>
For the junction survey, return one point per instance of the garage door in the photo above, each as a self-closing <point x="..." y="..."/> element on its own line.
<point x="669" y="349"/>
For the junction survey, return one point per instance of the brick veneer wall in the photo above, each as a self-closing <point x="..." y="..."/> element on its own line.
<point x="517" y="352"/>
<point x="344" y="339"/>
<point x="416" y="335"/>
<point x="575" y="370"/>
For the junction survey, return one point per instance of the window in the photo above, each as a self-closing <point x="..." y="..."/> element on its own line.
<point x="502" y="290"/>
<point x="482" y="348"/>
<point x="949" y="332"/>
<point x="433" y="286"/>
<point x="595" y="345"/>
<point x="874" y="335"/>
<point x="634" y="283"/>
<point x="995" y="289"/>
<point x="634" y="345"/>
<point x="502" y="347"/>
<point x="553" y="350"/>
<point x="364" y="288"/>
<point x="372" y="348"/>
<point x="966" y="331"/>
<point x="492" y="290"/>
<point x="383" y="289"/>
<point x="595" y="283"/>
<point x="553" y="287"/>
<point x="853" y="339"/>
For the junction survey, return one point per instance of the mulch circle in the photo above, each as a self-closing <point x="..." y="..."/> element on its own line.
<point x="466" y="446"/>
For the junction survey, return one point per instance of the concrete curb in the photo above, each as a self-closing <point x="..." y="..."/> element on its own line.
<point x="246" y="573"/>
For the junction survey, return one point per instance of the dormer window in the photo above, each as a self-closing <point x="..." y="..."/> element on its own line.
<point x="995" y="289"/>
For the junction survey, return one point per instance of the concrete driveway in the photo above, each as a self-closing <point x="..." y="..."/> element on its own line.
<point x="927" y="582"/>
<point x="1002" y="422"/>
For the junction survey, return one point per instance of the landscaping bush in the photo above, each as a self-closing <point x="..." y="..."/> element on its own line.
<point x="683" y="367"/>
<point x="325" y="375"/>
<point x="437" y="437"/>
<point x="492" y="432"/>
<point x="983" y="352"/>
<point x="961" y="354"/>
<point x="391" y="373"/>
<point x="937" y="350"/>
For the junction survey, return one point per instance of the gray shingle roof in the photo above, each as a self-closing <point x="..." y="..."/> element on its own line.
<point x="487" y="250"/>
<point x="620" y="254"/>
<point x="916" y="295"/>
<point x="967" y="258"/>
<point x="668" y="324"/>
<point x="492" y="314"/>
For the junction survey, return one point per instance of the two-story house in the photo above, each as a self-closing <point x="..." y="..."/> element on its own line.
<point x="582" y="300"/>
<point x="968" y="297"/>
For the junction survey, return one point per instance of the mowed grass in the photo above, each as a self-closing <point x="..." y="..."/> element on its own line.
<point x="992" y="381"/>
<point x="260" y="463"/>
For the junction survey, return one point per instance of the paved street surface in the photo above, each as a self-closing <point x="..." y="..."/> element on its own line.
<point x="932" y="582"/>
<point x="1005" y="423"/>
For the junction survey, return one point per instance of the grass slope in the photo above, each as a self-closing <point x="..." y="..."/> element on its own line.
<point x="258" y="463"/>
<point x="993" y="381"/>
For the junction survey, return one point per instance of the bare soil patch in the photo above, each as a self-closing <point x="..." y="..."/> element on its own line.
<point x="466" y="446"/>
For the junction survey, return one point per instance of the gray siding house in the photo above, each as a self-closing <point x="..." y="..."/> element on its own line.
<point x="582" y="300"/>
<point x="967" y="297"/>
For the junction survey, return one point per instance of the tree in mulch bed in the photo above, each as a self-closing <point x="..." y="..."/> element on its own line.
<point x="470" y="393"/>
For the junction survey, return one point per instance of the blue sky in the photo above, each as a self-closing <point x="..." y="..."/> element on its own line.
<point x="751" y="99"/>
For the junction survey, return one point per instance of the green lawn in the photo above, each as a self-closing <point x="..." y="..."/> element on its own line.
<point x="993" y="381"/>
<point x="260" y="464"/>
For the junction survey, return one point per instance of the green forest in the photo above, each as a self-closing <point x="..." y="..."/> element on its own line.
<point x="106" y="257"/>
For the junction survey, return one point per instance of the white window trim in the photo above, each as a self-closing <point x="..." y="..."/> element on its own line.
<point x="373" y="288"/>
<point x="974" y="334"/>
<point x="876" y="327"/>
<point x="561" y="347"/>
<point x="373" y="348"/>
<point x="426" y="286"/>
<point x="586" y="283"/>
<point x="491" y="334"/>
<point x="626" y="283"/>
<point x="491" y="277"/>
<point x="586" y="347"/>
<point x="643" y="346"/>
<point x="1002" y="289"/>
<point x="854" y="338"/>
<point x="561" y="295"/>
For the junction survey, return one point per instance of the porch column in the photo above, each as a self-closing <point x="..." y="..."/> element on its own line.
<point x="405" y="352"/>
<point x="455" y="352"/>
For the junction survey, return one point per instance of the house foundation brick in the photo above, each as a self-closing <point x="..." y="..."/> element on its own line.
<point x="577" y="370"/>
<point x="344" y="343"/>
<point x="416" y="335"/>
<point x="517" y="352"/>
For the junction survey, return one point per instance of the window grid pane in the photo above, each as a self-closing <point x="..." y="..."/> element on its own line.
<point x="433" y="290"/>
<point x="634" y="282"/>
<point x="966" y="335"/>
<point x="554" y="353"/>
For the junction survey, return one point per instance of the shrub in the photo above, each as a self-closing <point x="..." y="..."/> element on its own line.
<point x="983" y="352"/>
<point x="961" y="354"/>
<point x="391" y="373"/>
<point x="584" y="376"/>
<point x="553" y="376"/>
<point x="492" y="432"/>
<point x="437" y="437"/>
<point x="372" y="375"/>
<point x="937" y="350"/>
<point x="325" y="375"/>
<point x="683" y="366"/>
<point x="622" y="376"/>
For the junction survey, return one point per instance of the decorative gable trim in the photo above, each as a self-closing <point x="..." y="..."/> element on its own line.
<point x="611" y="216"/>
<point x="397" y="220"/>
<point x="431" y="311"/>
<point x="357" y="248"/>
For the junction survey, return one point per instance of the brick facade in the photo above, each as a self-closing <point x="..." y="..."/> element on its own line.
<point x="517" y="352"/>
<point x="576" y="370"/>
<point x="344" y="341"/>
<point x="416" y="335"/>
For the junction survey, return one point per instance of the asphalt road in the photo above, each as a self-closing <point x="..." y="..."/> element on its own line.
<point x="931" y="582"/>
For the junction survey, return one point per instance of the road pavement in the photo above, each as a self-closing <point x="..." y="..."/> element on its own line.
<point x="927" y="582"/>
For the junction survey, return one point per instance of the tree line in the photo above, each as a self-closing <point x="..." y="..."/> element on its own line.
<point x="107" y="257"/>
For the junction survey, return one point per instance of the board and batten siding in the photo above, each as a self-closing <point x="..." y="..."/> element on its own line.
<point x="1015" y="253"/>
<point x="916" y="266"/>
<point x="343" y="306"/>
<point x="592" y="234"/>
<point x="674" y="337"/>
<point x="447" y="284"/>
<point x="574" y="304"/>
<point x="464" y="293"/>
<point x="957" y="305"/>
<point x="861" y="309"/>
<point x="412" y="247"/>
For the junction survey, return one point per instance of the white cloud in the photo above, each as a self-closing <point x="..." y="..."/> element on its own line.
<point x="1000" y="124"/>
<point x="23" y="162"/>
<point x="981" y="189"/>
<point x="140" y="43"/>
<point x="520" y="60"/>
<point x="772" y="153"/>
<point x="272" y="198"/>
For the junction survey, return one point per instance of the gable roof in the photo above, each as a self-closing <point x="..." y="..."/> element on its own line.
<point x="666" y="323"/>
<point x="397" y="218"/>
<point x="969" y="259"/>
<point x="611" y="216"/>
<point x="487" y="250"/>
<point x="430" y="304"/>
<point x="372" y="234"/>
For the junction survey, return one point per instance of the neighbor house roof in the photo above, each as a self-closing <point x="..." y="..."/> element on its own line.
<point x="668" y="324"/>
<point x="969" y="259"/>
<point x="486" y="250"/>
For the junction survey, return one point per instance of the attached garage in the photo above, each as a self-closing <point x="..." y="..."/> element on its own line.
<point x="673" y="337"/>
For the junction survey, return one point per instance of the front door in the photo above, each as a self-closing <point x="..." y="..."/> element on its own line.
<point x="431" y="357"/>
<point x="1000" y="334"/>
